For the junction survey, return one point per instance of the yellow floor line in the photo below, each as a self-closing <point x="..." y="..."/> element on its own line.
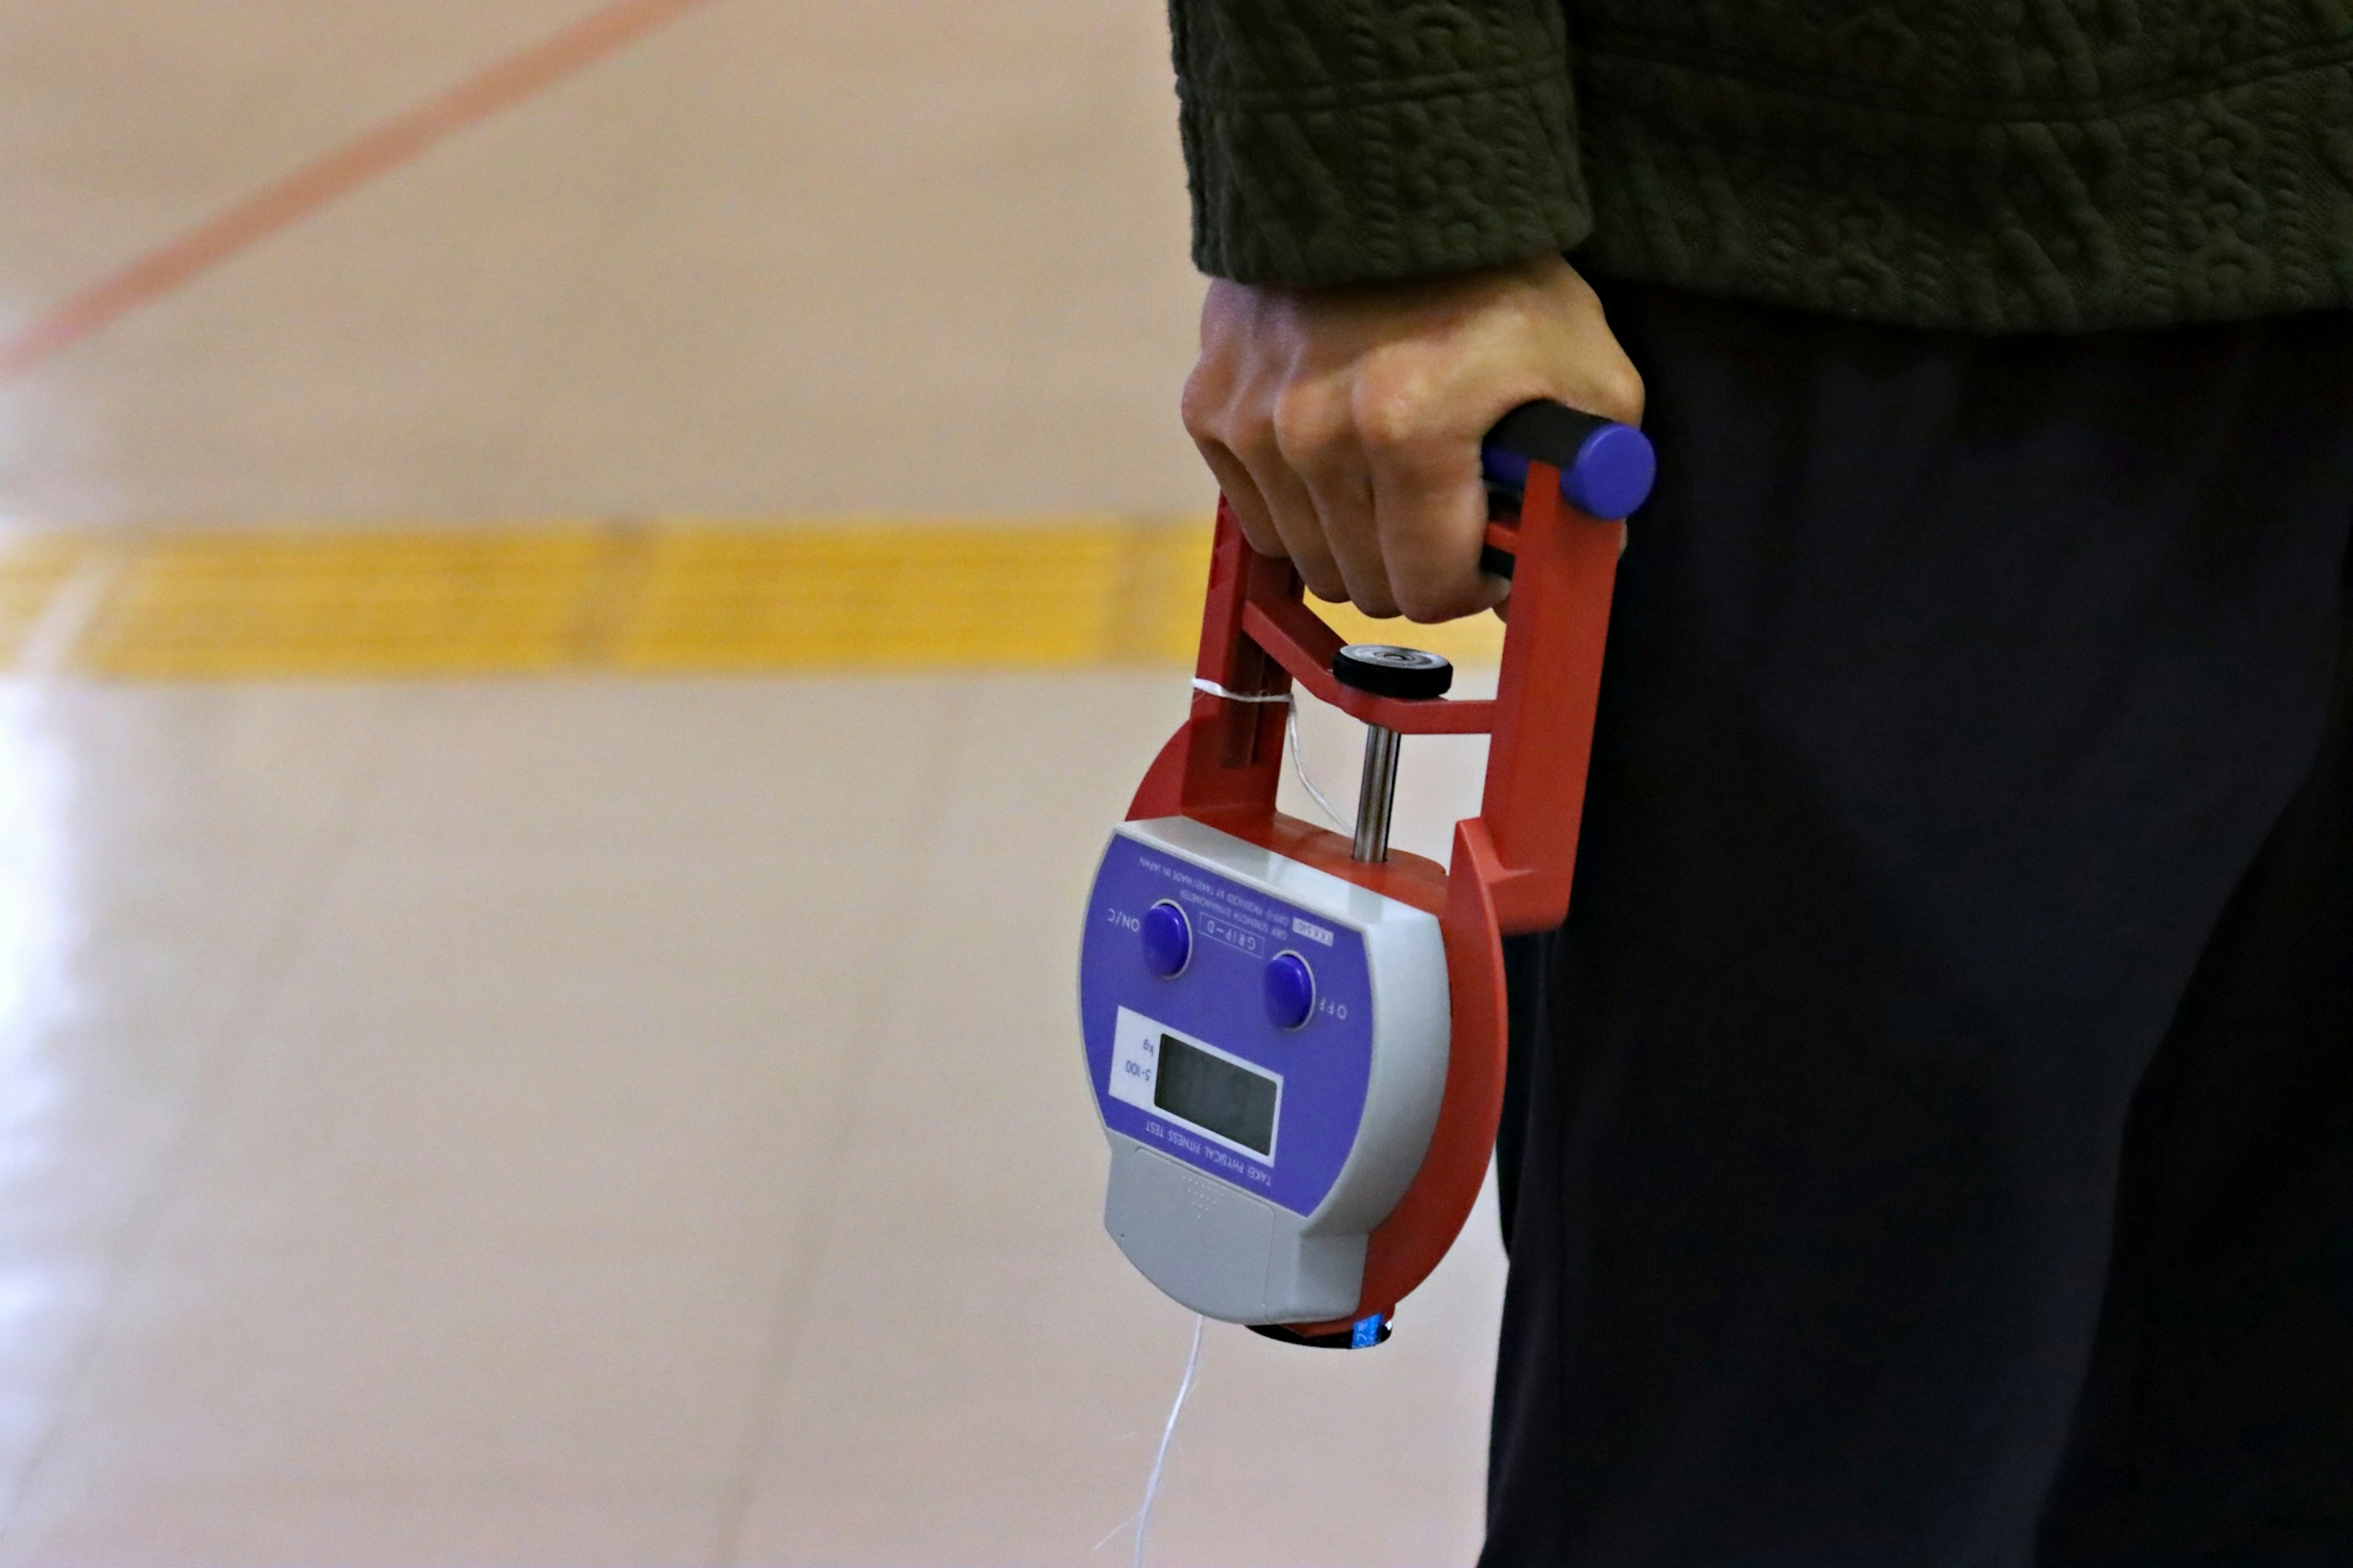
<point x="666" y="597"/>
<point x="33" y="569"/>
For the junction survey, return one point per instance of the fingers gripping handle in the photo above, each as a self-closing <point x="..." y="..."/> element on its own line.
<point x="1606" y="468"/>
<point x="1258" y="637"/>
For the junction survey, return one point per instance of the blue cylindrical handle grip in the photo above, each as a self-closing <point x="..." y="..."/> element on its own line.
<point x="1606" y="468"/>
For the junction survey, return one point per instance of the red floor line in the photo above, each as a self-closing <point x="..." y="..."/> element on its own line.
<point x="382" y="148"/>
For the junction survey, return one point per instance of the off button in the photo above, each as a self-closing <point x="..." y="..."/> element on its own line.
<point x="1290" y="991"/>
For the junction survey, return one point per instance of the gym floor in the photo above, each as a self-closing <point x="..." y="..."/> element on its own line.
<point x="581" y="585"/>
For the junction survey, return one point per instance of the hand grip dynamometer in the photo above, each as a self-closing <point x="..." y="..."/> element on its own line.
<point x="1296" y="1038"/>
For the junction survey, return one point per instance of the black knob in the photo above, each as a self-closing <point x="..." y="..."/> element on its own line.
<point x="1389" y="671"/>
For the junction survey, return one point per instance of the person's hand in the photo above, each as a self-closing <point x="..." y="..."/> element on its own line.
<point x="1343" y="423"/>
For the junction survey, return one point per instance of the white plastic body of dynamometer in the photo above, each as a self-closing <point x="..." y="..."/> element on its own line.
<point x="1250" y="1161"/>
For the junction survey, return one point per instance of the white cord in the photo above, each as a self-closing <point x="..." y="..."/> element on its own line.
<point x="1299" y="766"/>
<point x="1160" y="1459"/>
<point x="1290" y="732"/>
<point x="1193" y="1357"/>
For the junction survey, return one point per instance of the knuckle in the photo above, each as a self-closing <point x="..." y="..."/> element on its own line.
<point x="1391" y="417"/>
<point x="1200" y="406"/>
<point x="1252" y="441"/>
<point x="1302" y="424"/>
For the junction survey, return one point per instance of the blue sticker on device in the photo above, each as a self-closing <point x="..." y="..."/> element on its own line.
<point x="1367" y="1334"/>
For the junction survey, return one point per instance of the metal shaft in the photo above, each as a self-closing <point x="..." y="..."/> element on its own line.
<point x="1376" y="794"/>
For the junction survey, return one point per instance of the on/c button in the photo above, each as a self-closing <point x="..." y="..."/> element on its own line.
<point x="1168" y="939"/>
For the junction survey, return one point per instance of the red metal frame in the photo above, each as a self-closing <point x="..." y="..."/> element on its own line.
<point x="1512" y="863"/>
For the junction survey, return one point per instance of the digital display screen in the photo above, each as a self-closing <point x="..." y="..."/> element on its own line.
<point x="1212" y="1092"/>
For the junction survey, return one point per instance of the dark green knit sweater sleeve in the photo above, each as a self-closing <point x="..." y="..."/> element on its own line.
<point x="1345" y="141"/>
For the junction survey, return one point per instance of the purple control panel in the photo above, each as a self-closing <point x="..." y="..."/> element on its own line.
<point x="1225" y="1027"/>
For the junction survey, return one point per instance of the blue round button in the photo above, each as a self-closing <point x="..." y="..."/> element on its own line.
<point x="1290" y="991"/>
<point x="1167" y="940"/>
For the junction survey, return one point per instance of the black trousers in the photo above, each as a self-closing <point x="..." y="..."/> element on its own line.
<point x="1930" y="1140"/>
